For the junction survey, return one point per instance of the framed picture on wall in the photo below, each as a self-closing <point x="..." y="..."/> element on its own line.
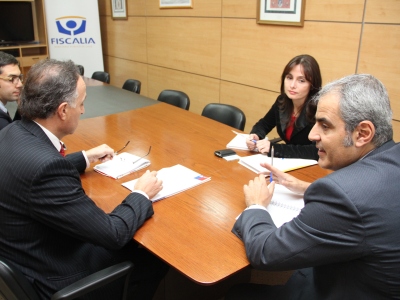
<point x="176" y="3"/>
<point x="119" y="9"/>
<point x="281" y="12"/>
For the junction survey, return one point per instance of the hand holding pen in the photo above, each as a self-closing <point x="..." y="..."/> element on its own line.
<point x="251" y="141"/>
<point x="263" y="145"/>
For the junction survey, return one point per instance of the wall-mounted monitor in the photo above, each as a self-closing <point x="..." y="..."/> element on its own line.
<point x="17" y="22"/>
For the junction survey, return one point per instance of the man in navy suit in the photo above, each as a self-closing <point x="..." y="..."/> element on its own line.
<point x="10" y="86"/>
<point x="49" y="228"/>
<point x="345" y="242"/>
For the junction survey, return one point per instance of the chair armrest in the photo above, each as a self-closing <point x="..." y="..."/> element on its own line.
<point x="96" y="280"/>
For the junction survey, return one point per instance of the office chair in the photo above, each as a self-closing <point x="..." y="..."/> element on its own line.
<point x="101" y="76"/>
<point x="225" y="113"/>
<point x="132" y="85"/>
<point x="176" y="98"/>
<point x="14" y="285"/>
<point x="81" y="69"/>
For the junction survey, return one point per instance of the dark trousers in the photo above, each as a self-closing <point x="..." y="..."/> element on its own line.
<point x="299" y="287"/>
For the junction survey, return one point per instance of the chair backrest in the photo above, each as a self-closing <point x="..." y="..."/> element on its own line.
<point x="176" y="98"/>
<point x="13" y="284"/>
<point x="101" y="76"/>
<point x="225" y="113"/>
<point x="81" y="69"/>
<point x="132" y="85"/>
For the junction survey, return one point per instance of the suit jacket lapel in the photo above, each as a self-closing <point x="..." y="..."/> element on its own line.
<point x="6" y="115"/>
<point x="35" y="130"/>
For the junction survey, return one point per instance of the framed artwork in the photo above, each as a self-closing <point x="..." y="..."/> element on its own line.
<point x="119" y="9"/>
<point x="176" y="3"/>
<point x="281" y="12"/>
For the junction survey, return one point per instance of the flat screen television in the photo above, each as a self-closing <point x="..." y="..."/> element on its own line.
<point x="17" y="22"/>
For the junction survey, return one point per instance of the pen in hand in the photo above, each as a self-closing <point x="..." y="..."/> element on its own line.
<point x="272" y="163"/>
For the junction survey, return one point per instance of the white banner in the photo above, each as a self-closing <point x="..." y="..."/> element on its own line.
<point x="73" y="30"/>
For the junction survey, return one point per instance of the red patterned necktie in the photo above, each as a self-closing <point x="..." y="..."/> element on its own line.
<point x="62" y="151"/>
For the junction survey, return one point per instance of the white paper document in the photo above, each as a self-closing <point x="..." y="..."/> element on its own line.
<point x="121" y="165"/>
<point x="285" y="205"/>
<point x="238" y="142"/>
<point x="175" y="179"/>
<point x="252" y="162"/>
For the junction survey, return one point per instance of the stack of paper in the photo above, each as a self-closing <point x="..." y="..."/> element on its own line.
<point x="252" y="162"/>
<point x="121" y="165"/>
<point x="175" y="179"/>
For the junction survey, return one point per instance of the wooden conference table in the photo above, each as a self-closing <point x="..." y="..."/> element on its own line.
<point x="191" y="231"/>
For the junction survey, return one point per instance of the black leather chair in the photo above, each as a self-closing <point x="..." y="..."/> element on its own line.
<point x="101" y="76"/>
<point x="81" y="69"/>
<point x="225" y="113"/>
<point x="176" y="98"/>
<point x="14" y="285"/>
<point x="132" y="85"/>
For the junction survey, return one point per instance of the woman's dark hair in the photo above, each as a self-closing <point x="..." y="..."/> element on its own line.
<point x="312" y="75"/>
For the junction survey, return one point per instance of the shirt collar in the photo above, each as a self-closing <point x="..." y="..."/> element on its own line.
<point x="2" y="107"/>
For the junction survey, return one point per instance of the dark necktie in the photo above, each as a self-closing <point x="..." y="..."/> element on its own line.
<point x="62" y="151"/>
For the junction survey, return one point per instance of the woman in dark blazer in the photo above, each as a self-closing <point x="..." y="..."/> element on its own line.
<point x="300" y="80"/>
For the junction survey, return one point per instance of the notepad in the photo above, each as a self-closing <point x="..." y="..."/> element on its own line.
<point x="252" y="162"/>
<point x="175" y="179"/>
<point x="285" y="205"/>
<point x="239" y="141"/>
<point x="121" y="165"/>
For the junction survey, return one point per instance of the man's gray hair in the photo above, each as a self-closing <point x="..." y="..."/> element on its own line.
<point x="48" y="83"/>
<point x="362" y="97"/>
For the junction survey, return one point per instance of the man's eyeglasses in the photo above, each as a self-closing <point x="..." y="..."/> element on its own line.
<point x="14" y="78"/>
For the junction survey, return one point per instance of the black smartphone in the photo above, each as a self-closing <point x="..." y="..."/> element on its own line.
<point x="224" y="152"/>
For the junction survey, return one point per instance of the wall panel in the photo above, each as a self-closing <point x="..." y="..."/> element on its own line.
<point x="201" y="8"/>
<point x="334" y="10"/>
<point x="200" y="89"/>
<point x="239" y="9"/>
<point x="255" y="55"/>
<point x="187" y="44"/>
<point x="121" y="41"/>
<point x="379" y="11"/>
<point x="380" y="56"/>
<point x="122" y="69"/>
<point x="254" y="102"/>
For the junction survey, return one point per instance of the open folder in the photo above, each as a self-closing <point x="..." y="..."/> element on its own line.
<point x="121" y="165"/>
<point x="175" y="179"/>
<point x="252" y="162"/>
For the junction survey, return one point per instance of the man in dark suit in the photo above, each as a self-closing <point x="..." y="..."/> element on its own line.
<point x="49" y="228"/>
<point x="345" y="242"/>
<point x="10" y="86"/>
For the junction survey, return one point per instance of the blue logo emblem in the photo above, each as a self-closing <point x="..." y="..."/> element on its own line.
<point x="71" y="25"/>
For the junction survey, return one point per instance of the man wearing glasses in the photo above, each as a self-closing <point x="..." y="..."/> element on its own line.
<point x="10" y="86"/>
